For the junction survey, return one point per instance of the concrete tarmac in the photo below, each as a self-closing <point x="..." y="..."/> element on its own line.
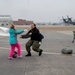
<point x="51" y="62"/>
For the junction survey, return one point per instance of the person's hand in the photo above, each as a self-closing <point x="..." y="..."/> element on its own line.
<point x="25" y="30"/>
<point x="20" y="37"/>
<point x="30" y="33"/>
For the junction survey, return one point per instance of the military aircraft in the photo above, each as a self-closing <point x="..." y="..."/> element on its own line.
<point x="68" y="20"/>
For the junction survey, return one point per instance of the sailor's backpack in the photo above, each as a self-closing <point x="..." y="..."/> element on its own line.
<point x="66" y="51"/>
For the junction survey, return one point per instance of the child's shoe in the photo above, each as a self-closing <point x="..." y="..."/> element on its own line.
<point x="10" y="58"/>
<point x="15" y="54"/>
<point x="19" y="56"/>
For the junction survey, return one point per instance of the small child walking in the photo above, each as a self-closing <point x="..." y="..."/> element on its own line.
<point x="14" y="42"/>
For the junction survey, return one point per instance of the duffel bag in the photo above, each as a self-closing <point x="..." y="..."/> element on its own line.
<point x="66" y="51"/>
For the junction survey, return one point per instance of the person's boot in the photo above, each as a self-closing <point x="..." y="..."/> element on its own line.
<point x="29" y="54"/>
<point x="40" y="52"/>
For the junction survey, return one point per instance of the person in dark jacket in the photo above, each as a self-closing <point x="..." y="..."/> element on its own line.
<point x="34" y="40"/>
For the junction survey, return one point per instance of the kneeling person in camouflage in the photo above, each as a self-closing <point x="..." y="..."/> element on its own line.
<point x="34" y="41"/>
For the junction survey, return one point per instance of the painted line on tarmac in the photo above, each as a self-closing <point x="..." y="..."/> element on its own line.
<point x="52" y="53"/>
<point x="43" y="52"/>
<point x="33" y="51"/>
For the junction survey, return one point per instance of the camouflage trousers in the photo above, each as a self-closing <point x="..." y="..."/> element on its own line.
<point x="35" y="45"/>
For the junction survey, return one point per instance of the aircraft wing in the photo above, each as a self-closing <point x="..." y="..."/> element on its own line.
<point x="4" y="31"/>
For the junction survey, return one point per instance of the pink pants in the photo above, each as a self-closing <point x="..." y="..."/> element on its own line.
<point x="17" y="45"/>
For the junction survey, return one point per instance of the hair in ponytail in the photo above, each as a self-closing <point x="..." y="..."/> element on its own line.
<point x="12" y="26"/>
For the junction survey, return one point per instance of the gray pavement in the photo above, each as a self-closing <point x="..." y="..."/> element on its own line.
<point x="52" y="62"/>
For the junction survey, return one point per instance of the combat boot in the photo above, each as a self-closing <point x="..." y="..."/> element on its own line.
<point x="29" y="54"/>
<point x="40" y="52"/>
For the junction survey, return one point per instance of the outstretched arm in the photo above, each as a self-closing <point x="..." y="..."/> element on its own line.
<point x="26" y="35"/>
<point x="21" y="31"/>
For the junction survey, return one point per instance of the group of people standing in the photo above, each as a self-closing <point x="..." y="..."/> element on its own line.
<point x="34" y="41"/>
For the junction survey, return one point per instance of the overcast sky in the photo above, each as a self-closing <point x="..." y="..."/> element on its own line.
<point x="38" y="10"/>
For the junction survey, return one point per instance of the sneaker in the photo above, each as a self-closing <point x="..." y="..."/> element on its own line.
<point x="10" y="58"/>
<point x="15" y="54"/>
<point x="40" y="52"/>
<point x="19" y="56"/>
